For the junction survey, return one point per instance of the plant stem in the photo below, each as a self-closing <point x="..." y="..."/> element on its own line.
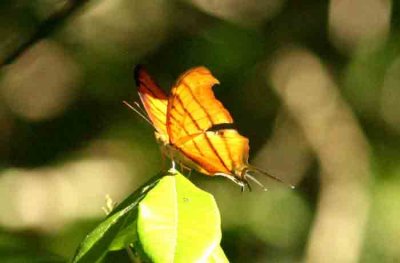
<point x="132" y="256"/>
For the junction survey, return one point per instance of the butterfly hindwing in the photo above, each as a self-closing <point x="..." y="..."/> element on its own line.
<point x="218" y="152"/>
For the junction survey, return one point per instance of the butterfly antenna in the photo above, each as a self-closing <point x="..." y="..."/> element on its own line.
<point x="138" y="112"/>
<point x="255" y="169"/>
<point x="247" y="175"/>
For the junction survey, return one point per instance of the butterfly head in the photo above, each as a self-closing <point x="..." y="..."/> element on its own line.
<point x="242" y="177"/>
<point x="238" y="176"/>
<point x="245" y="177"/>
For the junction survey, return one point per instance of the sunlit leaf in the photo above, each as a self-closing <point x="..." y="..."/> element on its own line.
<point x="169" y="219"/>
<point x="178" y="222"/>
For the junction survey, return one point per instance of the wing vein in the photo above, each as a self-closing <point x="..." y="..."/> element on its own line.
<point x="210" y="143"/>
<point x="212" y="122"/>
<point x="212" y="147"/>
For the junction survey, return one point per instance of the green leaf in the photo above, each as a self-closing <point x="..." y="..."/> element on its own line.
<point x="169" y="219"/>
<point x="116" y="232"/>
<point x="98" y="242"/>
<point x="177" y="222"/>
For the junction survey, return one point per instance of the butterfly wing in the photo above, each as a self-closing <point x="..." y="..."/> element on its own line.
<point x="192" y="111"/>
<point x="192" y="106"/>
<point x="154" y="101"/>
<point x="225" y="151"/>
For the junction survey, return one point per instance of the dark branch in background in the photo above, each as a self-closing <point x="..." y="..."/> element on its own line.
<point x="46" y="28"/>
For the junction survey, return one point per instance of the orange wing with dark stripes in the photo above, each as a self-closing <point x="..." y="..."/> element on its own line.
<point x="154" y="101"/>
<point x="192" y="113"/>
<point x="225" y="151"/>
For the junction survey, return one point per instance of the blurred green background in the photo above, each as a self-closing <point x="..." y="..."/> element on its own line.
<point x="314" y="85"/>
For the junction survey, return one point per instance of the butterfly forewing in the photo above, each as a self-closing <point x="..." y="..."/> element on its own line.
<point x="192" y="111"/>
<point x="192" y="106"/>
<point x="154" y="100"/>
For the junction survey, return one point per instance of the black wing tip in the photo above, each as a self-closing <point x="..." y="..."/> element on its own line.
<point x="136" y="73"/>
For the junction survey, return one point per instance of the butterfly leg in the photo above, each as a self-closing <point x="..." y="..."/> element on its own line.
<point x="173" y="165"/>
<point x="173" y="170"/>
<point x="185" y="168"/>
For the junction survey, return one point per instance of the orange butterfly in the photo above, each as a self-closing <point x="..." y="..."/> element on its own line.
<point x="194" y="127"/>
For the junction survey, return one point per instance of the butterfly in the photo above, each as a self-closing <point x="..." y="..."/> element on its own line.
<point x="193" y="126"/>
